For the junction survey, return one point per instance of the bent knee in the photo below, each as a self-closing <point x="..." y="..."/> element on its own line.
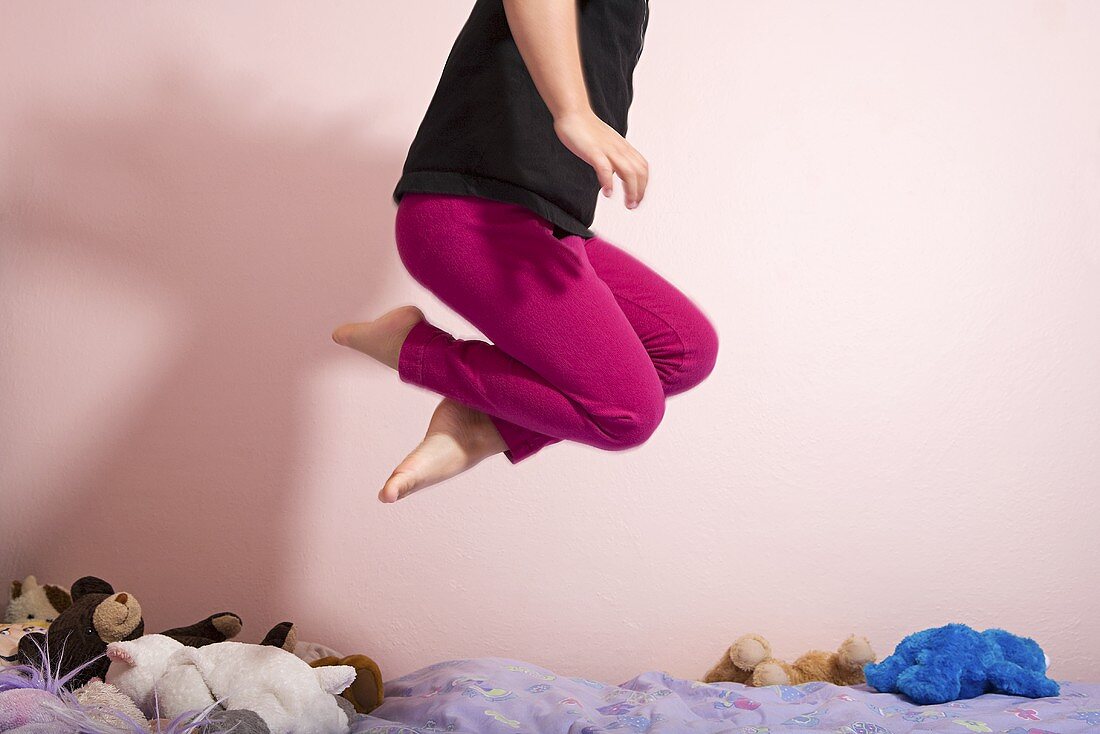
<point x="631" y="422"/>
<point x="706" y="350"/>
<point x="700" y="355"/>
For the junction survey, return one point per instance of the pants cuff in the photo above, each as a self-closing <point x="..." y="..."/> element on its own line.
<point x="410" y="359"/>
<point x="521" y="442"/>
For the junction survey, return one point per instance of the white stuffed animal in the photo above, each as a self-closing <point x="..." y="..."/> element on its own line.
<point x="165" y="678"/>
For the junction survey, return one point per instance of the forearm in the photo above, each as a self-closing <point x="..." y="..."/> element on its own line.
<point x="545" y="32"/>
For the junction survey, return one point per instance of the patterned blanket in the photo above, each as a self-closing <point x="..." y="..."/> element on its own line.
<point x="511" y="697"/>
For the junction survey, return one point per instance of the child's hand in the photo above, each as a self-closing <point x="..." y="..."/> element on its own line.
<point x="600" y="146"/>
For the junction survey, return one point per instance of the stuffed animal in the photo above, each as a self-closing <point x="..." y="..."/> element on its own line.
<point x="77" y="639"/>
<point x="288" y="694"/>
<point x="749" y="661"/>
<point x="33" y="702"/>
<point x="11" y="634"/>
<point x="366" y="692"/>
<point x="32" y="602"/>
<point x="239" y="721"/>
<point x="23" y="706"/>
<point x="217" y="721"/>
<point x="956" y="661"/>
<point x="109" y="706"/>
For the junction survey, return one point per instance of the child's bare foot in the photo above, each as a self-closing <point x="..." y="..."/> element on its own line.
<point x="381" y="338"/>
<point x="458" y="437"/>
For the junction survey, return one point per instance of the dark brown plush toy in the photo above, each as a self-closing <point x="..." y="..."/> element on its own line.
<point x="99" y="615"/>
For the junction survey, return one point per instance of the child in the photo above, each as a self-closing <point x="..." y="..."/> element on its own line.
<point x="493" y="212"/>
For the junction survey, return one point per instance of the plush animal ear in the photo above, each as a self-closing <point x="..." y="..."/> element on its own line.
<point x="335" y="678"/>
<point x="90" y="585"/>
<point x="59" y="598"/>
<point x="282" y="635"/>
<point x="19" y="588"/>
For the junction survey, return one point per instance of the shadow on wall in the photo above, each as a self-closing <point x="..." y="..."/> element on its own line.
<point x="265" y="232"/>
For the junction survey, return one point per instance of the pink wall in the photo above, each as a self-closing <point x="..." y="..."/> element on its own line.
<point x="891" y="210"/>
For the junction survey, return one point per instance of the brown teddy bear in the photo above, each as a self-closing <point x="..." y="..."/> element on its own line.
<point x="99" y="615"/>
<point x="749" y="661"/>
<point x="366" y="692"/>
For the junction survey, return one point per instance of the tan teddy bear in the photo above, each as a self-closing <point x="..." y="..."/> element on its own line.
<point x="36" y="603"/>
<point x="749" y="661"/>
<point x="31" y="608"/>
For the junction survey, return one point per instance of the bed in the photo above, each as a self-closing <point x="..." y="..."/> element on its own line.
<point x="513" y="697"/>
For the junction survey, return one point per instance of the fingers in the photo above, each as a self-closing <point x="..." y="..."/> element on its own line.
<point x="629" y="175"/>
<point x="633" y="169"/>
<point x="643" y="177"/>
<point x="605" y="172"/>
<point x="595" y="142"/>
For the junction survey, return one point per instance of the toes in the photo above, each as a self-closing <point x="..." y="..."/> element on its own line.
<point x="397" y="486"/>
<point x="382" y="338"/>
<point x="342" y="334"/>
<point x="361" y="336"/>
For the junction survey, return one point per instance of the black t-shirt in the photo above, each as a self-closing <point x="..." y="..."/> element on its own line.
<point x="488" y="133"/>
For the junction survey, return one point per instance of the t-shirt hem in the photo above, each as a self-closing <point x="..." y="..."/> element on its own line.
<point x="454" y="182"/>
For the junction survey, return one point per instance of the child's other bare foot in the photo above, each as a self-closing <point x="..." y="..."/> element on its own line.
<point x="381" y="338"/>
<point x="458" y="437"/>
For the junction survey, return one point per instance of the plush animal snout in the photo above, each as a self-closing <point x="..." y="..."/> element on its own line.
<point x="749" y="651"/>
<point x="855" y="652"/>
<point x="771" y="674"/>
<point x="116" y="617"/>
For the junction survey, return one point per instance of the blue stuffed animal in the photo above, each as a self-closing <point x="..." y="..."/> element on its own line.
<point x="955" y="661"/>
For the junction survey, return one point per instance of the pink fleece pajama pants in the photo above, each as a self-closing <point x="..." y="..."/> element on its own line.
<point x="587" y="342"/>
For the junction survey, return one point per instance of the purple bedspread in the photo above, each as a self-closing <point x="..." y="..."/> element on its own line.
<point x="511" y="697"/>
